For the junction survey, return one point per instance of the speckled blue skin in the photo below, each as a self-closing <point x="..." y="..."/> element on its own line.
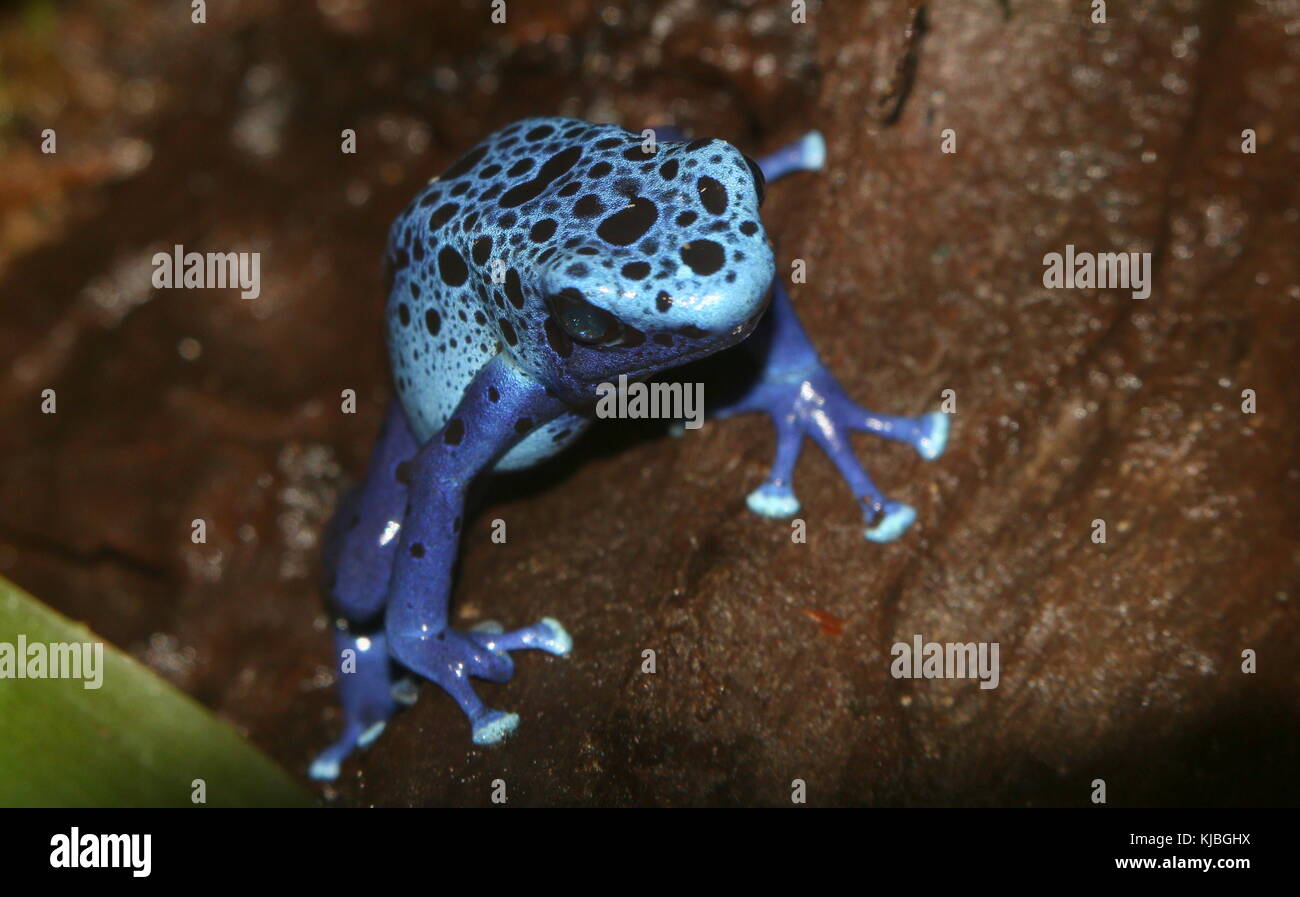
<point x="554" y="256"/>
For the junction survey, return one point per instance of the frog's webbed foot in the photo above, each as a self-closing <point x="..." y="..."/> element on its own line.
<point x="812" y="404"/>
<point x="452" y="657"/>
<point x="371" y="695"/>
<point x="326" y="766"/>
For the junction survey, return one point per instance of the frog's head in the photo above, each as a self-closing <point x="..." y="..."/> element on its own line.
<point x="659" y="258"/>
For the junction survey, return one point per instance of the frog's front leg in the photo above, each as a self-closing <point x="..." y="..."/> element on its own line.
<point x="804" y="398"/>
<point x="500" y="406"/>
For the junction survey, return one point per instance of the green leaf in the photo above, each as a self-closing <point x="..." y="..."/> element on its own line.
<point x="133" y="741"/>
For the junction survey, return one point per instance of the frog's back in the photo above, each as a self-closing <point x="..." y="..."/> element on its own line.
<point x="460" y="257"/>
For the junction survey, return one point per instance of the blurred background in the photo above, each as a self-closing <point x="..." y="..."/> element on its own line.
<point x="1120" y="661"/>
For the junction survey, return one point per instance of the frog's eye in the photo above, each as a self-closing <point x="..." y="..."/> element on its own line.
<point x="583" y="321"/>
<point x="759" y="181"/>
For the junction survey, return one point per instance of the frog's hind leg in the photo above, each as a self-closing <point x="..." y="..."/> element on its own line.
<point x="808" y="153"/>
<point x="669" y="134"/>
<point x="358" y="560"/>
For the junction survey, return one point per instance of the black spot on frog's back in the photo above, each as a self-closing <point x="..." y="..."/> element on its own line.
<point x="713" y="195"/>
<point x="442" y="215"/>
<point x="630" y="223"/>
<point x="451" y="267"/>
<point x="703" y="256"/>
<point x="546" y="175"/>
<point x="465" y="163"/>
<point x="514" y="289"/>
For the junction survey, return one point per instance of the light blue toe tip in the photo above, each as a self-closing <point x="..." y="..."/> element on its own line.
<point x="769" y="503"/>
<point x="324" y="770"/>
<point x="563" y="641"/>
<point x="368" y="737"/>
<point x="495" y="728"/>
<point x="405" y="692"/>
<point x="898" y="517"/>
<point x="936" y="440"/>
<point x="814" y="150"/>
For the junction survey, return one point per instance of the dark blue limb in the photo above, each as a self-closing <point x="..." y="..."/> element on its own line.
<point x="808" y="153"/>
<point x="358" y="560"/>
<point x="370" y="695"/>
<point x="805" y="400"/>
<point x="362" y="536"/>
<point x="499" y="408"/>
<point x="669" y="134"/>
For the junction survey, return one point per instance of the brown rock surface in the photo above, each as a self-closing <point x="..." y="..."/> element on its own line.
<point x="1119" y="661"/>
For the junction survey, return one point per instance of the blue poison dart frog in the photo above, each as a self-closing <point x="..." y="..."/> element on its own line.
<point x="553" y="257"/>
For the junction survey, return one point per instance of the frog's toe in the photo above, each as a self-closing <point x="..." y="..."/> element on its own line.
<point x="367" y="738"/>
<point x="808" y="153"/>
<point x="559" y="642"/>
<point x="812" y="148"/>
<point x="933" y="437"/>
<point x="405" y="691"/>
<point x="324" y="769"/>
<point x="893" y="522"/>
<point x="545" y="635"/>
<point x="326" y="766"/>
<point x="490" y="626"/>
<point x="494" y="726"/>
<point x="775" y="500"/>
